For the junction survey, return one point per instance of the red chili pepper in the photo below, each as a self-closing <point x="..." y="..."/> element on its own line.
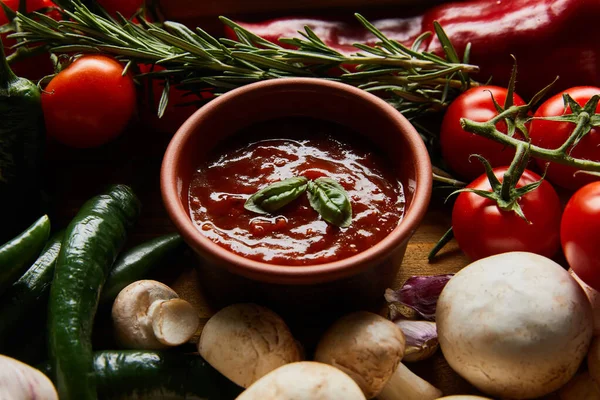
<point x="38" y="66"/>
<point x="548" y="37"/>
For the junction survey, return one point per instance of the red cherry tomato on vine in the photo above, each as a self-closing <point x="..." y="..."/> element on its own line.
<point x="482" y="229"/>
<point x="580" y="233"/>
<point x="458" y="145"/>
<point x="34" y="67"/>
<point x="89" y="103"/>
<point x="125" y="7"/>
<point x="552" y="134"/>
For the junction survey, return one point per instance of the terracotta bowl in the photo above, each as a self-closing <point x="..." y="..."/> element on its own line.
<point x="355" y="282"/>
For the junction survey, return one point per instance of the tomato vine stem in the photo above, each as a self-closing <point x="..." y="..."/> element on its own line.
<point x="582" y="118"/>
<point x="514" y="172"/>
<point x="6" y="74"/>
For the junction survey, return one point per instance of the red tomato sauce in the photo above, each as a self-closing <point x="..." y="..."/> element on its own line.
<point x="296" y="234"/>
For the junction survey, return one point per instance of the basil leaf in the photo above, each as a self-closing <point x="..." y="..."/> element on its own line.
<point x="277" y="195"/>
<point x="331" y="201"/>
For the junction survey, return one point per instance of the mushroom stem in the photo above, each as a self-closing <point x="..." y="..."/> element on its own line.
<point x="406" y="385"/>
<point x="174" y="321"/>
<point x="150" y="315"/>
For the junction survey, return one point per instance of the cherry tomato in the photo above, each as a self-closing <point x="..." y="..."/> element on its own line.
<point x="34" y="67"/>
<point x="552" y="134"/>
<point x="482" y="229"/>
<point x="89" y="103"/>
<point x="125" y="7"/>
<point x="580" y="233"/>
<point x="458" y="145"/>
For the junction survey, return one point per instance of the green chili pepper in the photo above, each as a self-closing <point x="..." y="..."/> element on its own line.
<point x="20" y="252"/>
<point x="136" y="263"/>
<point x="21" y="150"/>
<point x="143" y="374"/>
<point x="90" y="246"/>
<point x="24" y="299"/>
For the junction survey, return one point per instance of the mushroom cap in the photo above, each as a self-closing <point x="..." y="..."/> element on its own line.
<point x="305" y="380"/>
<point x="515" y="325"/>
<point x="245" y="342"/>
<point x="365" y="346"/>
<point x="132" y="314"/>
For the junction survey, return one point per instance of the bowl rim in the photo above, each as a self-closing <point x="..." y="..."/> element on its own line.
<point x="310" y="274"/>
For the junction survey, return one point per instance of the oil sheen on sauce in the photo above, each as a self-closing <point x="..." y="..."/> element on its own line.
<point x="269" y="152"/>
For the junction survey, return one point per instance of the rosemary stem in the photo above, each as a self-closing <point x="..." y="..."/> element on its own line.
<point x="444" y="240"/>
<point x="448" y="180"/>
<point x="403" y="80"/>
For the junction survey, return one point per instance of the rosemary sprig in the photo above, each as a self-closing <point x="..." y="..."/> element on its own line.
<point x="413" y="81"/>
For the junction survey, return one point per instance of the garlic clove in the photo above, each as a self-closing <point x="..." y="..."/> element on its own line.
<point x="419" y="293"/>
<point x="421" y="339"/>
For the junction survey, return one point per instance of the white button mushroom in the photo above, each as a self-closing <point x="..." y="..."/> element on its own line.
<point x="150" y="315"/>
<point x="20" y="381"/>
<point x="515" y="325"/>
<point x="304" y="381"/>
<point x="245" y="342"/>
<point x="369" y="349"/>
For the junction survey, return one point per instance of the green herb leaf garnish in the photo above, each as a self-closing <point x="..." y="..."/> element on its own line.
<point x="325" y="195"/>
<point x="277" y="195"/>
<point x="331" y="201"/>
